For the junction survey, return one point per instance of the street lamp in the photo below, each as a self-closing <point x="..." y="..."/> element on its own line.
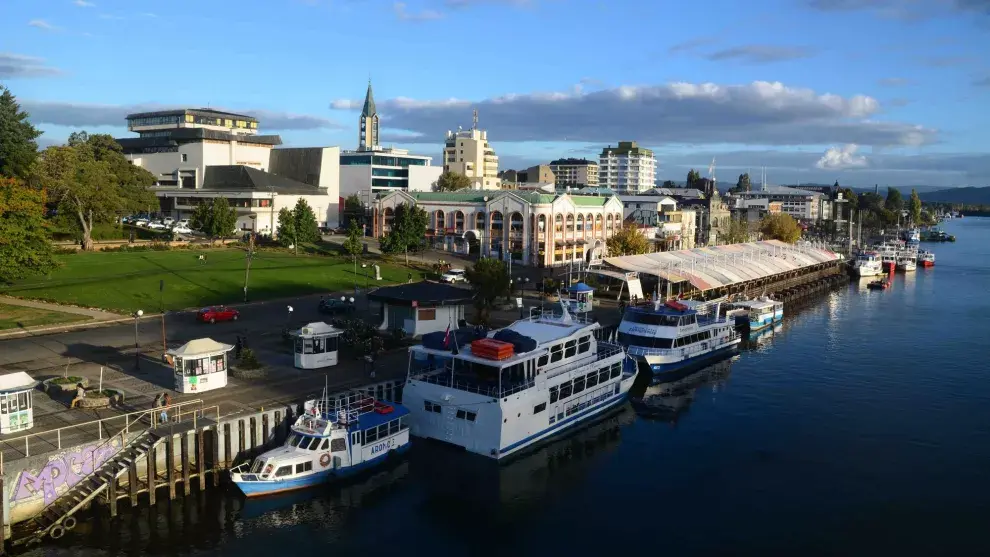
<point x="137" y="347"/>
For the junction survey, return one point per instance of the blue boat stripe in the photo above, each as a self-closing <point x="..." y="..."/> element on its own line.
<point x="673" y="366"/>
<point x="604" y="404"/>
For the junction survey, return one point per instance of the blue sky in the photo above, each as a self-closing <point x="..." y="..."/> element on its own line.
<point x="862" y="91"/>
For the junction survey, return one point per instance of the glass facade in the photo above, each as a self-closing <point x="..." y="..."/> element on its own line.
<point x="389" y="172"/>
<point x="380" y="160"/>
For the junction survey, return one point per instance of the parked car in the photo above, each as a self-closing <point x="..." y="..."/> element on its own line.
<point x="157" y="226"/>
<point x="143" y="222"/>
<point x="168" y="221"/>
<point x="335" y="306"/>
<point x="217" y="313"/>
<point x="453" y="275"/>
<point x="180" y="229"/>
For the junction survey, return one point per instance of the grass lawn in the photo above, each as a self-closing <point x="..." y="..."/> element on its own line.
<point x="15" y="317"/>
<point x="129" y="281"/>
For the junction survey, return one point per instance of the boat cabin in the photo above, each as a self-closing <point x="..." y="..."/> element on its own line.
<point x="315" y="346"/>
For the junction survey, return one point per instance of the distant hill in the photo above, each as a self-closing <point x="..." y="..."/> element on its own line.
<point x="972" y="196"/>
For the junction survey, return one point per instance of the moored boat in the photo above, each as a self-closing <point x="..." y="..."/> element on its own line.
<point x="756" y="315"/>
<point x="867" y="264"/>
<point x="880" y="284"/>
<point x="926" y="259"/>
<point x="906" y="263"/>
<point x="333" y="438"/>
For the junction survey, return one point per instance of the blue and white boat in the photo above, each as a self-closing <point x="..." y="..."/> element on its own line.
<point x="334" y="438"/>
<point x="549" y="375"/>
<point x="676" y="337"/>
<point x="756" y="315"/>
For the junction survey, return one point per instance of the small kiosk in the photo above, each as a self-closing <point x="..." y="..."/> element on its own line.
<point x="316" y="346"/>
<point x="200" y="365"/>
<point x="581" y="299"/>
<point x="16" y="406"/>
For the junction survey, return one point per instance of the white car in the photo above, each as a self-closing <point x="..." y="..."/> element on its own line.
<point x="140" y="222"/>
<point x="454" y="275"/>
<point x="179" y="229"/>
<point x="156" y="226"/>
<point x="168" y="221"/>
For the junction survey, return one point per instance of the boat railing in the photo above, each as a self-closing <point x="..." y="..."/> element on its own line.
<point x="548" y="315"/>
<point x="684" y="351"/>
<point x="445" y="378"/>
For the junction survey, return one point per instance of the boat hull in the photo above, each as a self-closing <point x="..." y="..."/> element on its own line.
<point x="669" y="371"/>
<point x="271" y="487"/>
<point x="926" y="264"/>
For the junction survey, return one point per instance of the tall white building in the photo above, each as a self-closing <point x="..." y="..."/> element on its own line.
<point x="627" y="169"/>
<point x="467" y="152"/>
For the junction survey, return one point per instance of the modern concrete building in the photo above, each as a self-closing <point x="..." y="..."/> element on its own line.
<point x="804" y="205"/>
<point x="539" y="174"/>
<point x="468" y="152"/>
<point x="575" y="173"/>
<point x="533" y="228"/>
<point x="627" y="168"/>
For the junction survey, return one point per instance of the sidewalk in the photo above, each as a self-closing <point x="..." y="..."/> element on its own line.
<point x="98" y="315"/>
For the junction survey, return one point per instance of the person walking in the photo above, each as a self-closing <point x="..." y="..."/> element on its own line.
<point x="80" y="395"/>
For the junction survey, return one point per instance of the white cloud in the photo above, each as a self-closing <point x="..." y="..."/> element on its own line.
<point x="43" y="25"/>
<point x="19" y="66"/>
<point x="842" y="158"/>
<point x="84" y="4"/>
<point x="402" y="12"/>
<point x="758" y="113"/>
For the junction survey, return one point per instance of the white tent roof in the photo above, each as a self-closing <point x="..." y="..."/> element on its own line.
<point x="200" y="347"/>
<point x="16" y="381"/>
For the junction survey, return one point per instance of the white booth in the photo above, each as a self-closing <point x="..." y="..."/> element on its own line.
<point x="316" y="346"/>
<point x="200" y="365"/>
<point x="16" y="406"/>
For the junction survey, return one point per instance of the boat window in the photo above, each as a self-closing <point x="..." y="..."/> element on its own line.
<point x="431" y="406"/>
<point x="570" y="348"/>
<point x="393" y="427"/>
<point x="591" y="379"/>
<point x="553" y="394"/>
<point x="293" y="440"/>
<point x="556" y="353"/>
<point x="383" y="431"/>
<point x="543" y="360"/>
<point x="356" y="438"/>
<point x="461" y="415"/>
<point x="578" y="385"/>
<point x="324" y="444"/>
<point x="283" y="471"/>
<point x="539" y="408"/>
<point x="257" y="466"/>
<point x="565" y="389"/>
<point x="603" y="375"/>
<point x="584" y="344"/>
<point x="304" y="467"/>
<point x="644" y="341"/>
<point x="471" y="416"/>
<point x="616" y="370"/>
<point x="402" y="422"/>
<point x="337" y="445"/>
<point x="371" y="435"/>
<point x="639" y="316"/>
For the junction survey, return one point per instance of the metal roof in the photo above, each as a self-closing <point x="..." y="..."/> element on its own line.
<point x="715" y="267"/>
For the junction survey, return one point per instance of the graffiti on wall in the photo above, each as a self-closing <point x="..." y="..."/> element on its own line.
<point x="63" y="471"/>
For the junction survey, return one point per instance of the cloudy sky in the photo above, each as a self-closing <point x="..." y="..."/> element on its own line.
<point x="860" y="91"/>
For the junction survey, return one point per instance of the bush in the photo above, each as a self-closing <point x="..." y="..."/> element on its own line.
<point x="65" y="251"/>
<point x="248" y="360"/>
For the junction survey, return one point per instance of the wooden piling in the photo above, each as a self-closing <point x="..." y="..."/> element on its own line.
<point x="264" y="429"/>
<point x="240" y="439"/>
<point x="3" y="519"/>
<point x="185" y="464"/>
<point x="201" y="460"/>
<point x="132" y="482"/>
<point x="150" y="456"/>
<point x="216" y="457"/>
<point x="112" y="495"/>
<point x="254" y="432"/>
<point x="170" y="466"/>
<point x="227" y="457"/>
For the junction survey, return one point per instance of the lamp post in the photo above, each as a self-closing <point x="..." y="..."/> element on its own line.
<point x="137" y="346"/>
<point x="288" y="317"/>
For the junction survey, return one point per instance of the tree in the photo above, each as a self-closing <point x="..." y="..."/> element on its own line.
<point x="692" y="177"/>
<point x="669" y="184"/>
<point x="285" y="232"/>
<point x="738" y="232"/>
<point x="742" y="184"/>
<point x="489" y="280"/>
<point x="914" y="207"/>
<point x="306" y="228"/>
<point x="451" y="181"/>
<point x="628" y="240"/>
<point x="894" y="201"/>
<point x="214" y="218"/>
<point x="18" y="149"/>
<point x="353" y="209"/>
<point x="408" y="230"/>
<point x="91" y="179"/>
<point x="780" y="226"/>
<point x="352" y="245"/>
<point x="25" y="246"/>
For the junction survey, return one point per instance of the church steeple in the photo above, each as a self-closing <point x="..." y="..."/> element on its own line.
<point x="368" y="125"/>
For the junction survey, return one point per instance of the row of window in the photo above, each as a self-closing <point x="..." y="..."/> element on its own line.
<point x="579" y="406"/>
<point x="307" y="443"/>
<point x="461" y="414"/>
<point x="373" y="434"/>
<point x="465" y="415"/>
<point x="566" y="350"/>
<point x="575" y="386"/>
<point x="628" y="339"/>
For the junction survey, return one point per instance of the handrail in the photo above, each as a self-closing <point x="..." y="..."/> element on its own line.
<point x="128" y="418"/>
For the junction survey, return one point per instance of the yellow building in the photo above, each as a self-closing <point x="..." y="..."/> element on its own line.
<point x="467" y="152"/>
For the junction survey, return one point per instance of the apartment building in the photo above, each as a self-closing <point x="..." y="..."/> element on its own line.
<point x="627" y="169"/>
<point x="575" y="173"/>
<point x="468" y="152"/>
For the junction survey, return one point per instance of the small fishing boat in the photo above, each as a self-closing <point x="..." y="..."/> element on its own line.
<point x="333" y="438"/>
<point x="756" y="315"/>
<point x="881" y="284"/>
<point x="867" y="264"/>
<point x="906" y="264"/>
<point x="926" y="259"/>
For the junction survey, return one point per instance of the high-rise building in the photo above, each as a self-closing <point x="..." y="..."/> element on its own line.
<point x="467" y="152"/>
<point x="627" y="168"/>
<point x="575" y="172"/>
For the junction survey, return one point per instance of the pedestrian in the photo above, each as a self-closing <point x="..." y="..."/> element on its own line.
<point x="80" y="395"/>
<point x="409" y="277"/>
<point x="164" y="403"/>
<point x="238" y="346"/>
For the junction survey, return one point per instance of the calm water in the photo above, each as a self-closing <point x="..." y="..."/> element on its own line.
<point x="860" y="427"/>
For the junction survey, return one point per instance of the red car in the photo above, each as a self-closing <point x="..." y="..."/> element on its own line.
<point x="217" y="313"/>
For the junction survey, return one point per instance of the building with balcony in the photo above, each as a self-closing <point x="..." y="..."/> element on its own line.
<point x="531" y="228"/>
<point x="200" y="154"/>
<point x="575" y="173"/>
<point x="804" y="205"/>
<point x="667" y="225"/>
<point x="468" y="152"/>
<point x="627" y="169"/>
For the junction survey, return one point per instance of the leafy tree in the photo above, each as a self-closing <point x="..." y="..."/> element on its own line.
<point x="692" y="178"/>
<point x="352" y="245"/>
<point x="894" y="201"/>
<point x="25" y="246"/>
<point x="18" y="149"/>
<point x="742" y="184"/>
<point x="91" y="179"/>
<point x="214" y="218"/>
<point x="628" y="240"/>
<point x="408" y="230"/>
<point x="451" y="181"/>
<point x="915" y="207"/>
<point x="489" y="280"/>
<point x="738" y="232"/>
<point x="353" y="209"/>
<point x="669" y="184"/>
<point x="306" y="228"/>
<point x="285" y="232"/>
<point x="780" y="226"/>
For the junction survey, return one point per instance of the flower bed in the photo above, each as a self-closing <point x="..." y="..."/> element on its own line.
<point x="57" y="387"/>
<point x="101" y="399"/>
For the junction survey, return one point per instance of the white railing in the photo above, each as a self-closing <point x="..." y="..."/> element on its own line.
<point x="684" y="352"/>
<point x="443" y="377"/>
<point x="550" y="315"/>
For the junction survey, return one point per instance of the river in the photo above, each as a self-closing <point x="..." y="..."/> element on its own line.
<point x="861" y="426"/>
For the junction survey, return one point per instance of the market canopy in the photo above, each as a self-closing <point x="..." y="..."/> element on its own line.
<point x="200" y="347"/>
<point x="719" y="266"/>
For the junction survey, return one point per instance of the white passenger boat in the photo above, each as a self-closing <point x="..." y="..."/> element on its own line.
<point x="516" y="387"/>
<point x="756" y="315"/>
<point x="334" y="438"/>
<point x="676" y="337"/>
<point x="906" y="263"/>
<point x="867" y="264"/>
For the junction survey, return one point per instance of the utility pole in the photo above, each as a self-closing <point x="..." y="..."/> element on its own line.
<point x="161" y="302"/>
<point x="271" y="225"/>
<point x="247" y="268"/>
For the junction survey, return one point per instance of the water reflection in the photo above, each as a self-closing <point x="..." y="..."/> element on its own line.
<point x="670" y="400"/>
